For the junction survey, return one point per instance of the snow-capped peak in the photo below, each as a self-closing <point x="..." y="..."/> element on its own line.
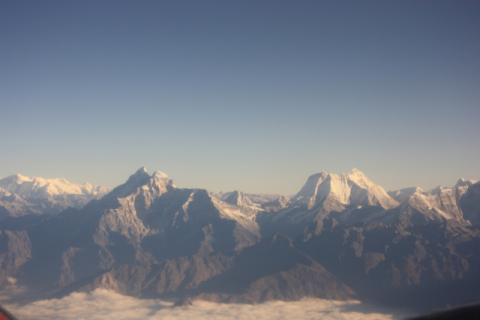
<point x="136" y="180"/>
<point x="238" y="198"/>
<point x="19" y="177"/>
<point x="141" y="179"/>
<point x="36" y="187"/>
<point x="161" y="180"/>
<point x="465" y="183"/>
<point x="405" y="193"/>
<point x="436" y="190"/>
<point x="141" y="170"/>
<point x="310" y="188"/>
<point x="351" y="188"/>
<point x="159" y="174"/>
<point x="360" y="178"/>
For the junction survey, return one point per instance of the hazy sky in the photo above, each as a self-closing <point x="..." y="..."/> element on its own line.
<point x="249" y="95"/>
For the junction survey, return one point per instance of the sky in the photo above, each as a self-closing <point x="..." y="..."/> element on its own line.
<point x="249" y="95"/>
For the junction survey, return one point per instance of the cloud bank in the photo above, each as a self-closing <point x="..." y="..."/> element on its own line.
<point x="102" y="305"/>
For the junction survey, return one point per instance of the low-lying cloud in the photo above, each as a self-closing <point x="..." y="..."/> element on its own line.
<point x="102" y="305"/>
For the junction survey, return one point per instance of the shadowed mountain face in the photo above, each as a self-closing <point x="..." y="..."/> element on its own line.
<point x="470" y="204"/>
<point x="148" y="238"/>
<point x="271" y="269"/>
<point x="275" y="269"/>
<point x="167" y="279"/>
<point x="397" y="265"/>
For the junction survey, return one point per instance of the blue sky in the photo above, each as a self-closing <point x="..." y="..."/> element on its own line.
<point x="249" y="95"/>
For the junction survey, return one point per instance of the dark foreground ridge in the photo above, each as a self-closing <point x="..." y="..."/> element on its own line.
<point x="464" y="313"/>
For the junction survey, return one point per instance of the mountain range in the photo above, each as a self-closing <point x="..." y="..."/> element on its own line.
<point x="340" y="237"/>
<point x="20" y="195"/>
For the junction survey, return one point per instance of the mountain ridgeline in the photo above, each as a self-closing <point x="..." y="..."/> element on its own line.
<point x="340" y="237"/>
<point x="20" y="195"/>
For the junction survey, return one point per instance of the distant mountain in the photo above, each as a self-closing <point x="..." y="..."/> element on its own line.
<point x="257" y="202"/>
<point x="352" y="198"/>
<point x="403" y="194"/>
<point x="353" y="188"/>
<point x="149" y="238"/>
<point x="20" y="195"/>
<point x="440" y="204"/>
<point x="239" y="199"/>
<point x="37" y="188"/>
<point x="348" y="197"/>
<point x="253" y="197"/>
<point x="277" y="204"/>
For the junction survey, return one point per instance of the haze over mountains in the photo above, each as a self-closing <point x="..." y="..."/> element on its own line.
<point x="340" y="237"/>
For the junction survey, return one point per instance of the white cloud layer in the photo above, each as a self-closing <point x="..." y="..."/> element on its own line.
<point x="102" y="305"/>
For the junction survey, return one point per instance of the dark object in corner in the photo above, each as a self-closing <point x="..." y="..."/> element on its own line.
<point x="5" y="315"/>
<point x="464" y="313"/>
